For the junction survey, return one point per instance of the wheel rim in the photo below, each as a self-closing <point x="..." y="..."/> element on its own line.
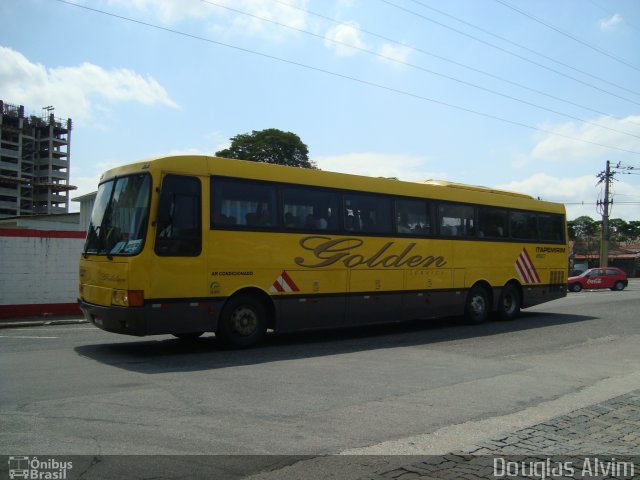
<point x="244" y="321"/>
<point x="478" y="305"/>
<point x="509" y="303"/>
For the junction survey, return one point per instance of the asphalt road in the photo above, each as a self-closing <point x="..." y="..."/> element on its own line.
<point x="419" y="388"/>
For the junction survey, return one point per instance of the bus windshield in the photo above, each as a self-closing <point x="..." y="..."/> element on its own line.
<point x="119" y="218"/>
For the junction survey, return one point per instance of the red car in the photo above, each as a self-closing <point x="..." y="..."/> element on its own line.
<point x="610" y="277"/>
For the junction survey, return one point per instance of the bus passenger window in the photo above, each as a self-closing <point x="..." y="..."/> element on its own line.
<point x="309" y="209"/>
<point x="178" y="228"/>
<point x="242" y="204"/>
<point x="551" y="227"/>
<point x="367" y="213"/>
<point x="412" y="217"/>
<point x="524" y="226"/>
<point x="456" y="220"/>
<point x="493" y="222"/>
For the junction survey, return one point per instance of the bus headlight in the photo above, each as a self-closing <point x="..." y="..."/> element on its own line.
<point x="120" y="298"/>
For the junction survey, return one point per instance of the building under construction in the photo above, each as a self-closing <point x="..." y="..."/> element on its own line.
<point x="35" y="162"/>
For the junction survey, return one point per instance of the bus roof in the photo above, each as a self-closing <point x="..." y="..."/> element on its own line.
<point x="475" y="188"/>
<point x="203" y="165"/>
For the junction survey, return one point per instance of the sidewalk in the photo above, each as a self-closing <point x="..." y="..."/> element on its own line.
<point x="40" y="321"/>
<point x="598" y="441"/>
<point x="608" y="431"/>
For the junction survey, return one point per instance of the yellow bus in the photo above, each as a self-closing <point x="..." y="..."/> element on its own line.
<point x="184" y="245"/>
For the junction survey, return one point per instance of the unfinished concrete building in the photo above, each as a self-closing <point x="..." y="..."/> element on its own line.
<point x="34" y="162"/>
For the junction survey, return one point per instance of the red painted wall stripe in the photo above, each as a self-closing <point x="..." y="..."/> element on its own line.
<point x="26" y="232"/>
<point x="39" y="310"/>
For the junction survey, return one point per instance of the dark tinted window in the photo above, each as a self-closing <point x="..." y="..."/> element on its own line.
<point x="551" y="227"/>
<point x="309" y="209"/>
<point x="524" y="226"/>
<point x="178" y="229"/>
<point x="412" y="217"/>
<point x="493" y="222"/>
<point x="456" y="220"/>
<point x="242" y="203"/>
<point x="367" y="213"/>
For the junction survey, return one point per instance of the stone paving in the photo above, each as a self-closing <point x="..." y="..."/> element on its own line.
<point x="600" y="441"/>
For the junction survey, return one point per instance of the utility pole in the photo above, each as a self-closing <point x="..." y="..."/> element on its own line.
<point x="607" y="178"/>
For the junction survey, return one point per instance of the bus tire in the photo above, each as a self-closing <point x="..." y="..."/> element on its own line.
<point x="510" y="302"/>
<point x="477" y="307"/>
<point x="188" y="336"/>
<point x="243" y="322"/>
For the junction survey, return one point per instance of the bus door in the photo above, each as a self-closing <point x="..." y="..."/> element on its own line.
<point x="177" y="273"/>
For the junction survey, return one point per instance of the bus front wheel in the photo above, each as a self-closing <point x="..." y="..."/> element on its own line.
<point x="243" y="322"/>
<point x="476" y="309"/>
<point x="509" y="303"/>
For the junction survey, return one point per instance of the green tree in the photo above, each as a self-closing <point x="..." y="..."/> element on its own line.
<point x="619" y="230"/>
<point x="584" y="226"/>
<point x="269" y="146"/>
<point x="584" y="231"/>
<point x="634" y="229"/>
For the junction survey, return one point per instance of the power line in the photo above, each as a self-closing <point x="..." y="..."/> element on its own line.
<point x="417" y="67"/>
<point x="504" y="39"/>
<point x="340" y="75"/>
<point x="463" y="65"/>
<point x="568" y="35"/>
<point x="528" y="60"/>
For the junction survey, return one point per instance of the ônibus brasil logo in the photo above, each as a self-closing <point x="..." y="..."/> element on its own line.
<point x="35" y="469"/>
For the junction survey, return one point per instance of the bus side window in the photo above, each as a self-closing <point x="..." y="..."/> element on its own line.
<point x="493" y="222"/>
<point x="456" y="220"/>
<point x="242" y="204"/>
<point x="178" y="225"/>
<point x="367" y="213"/>
<point x="524" y="226"/>
<point x="307" y="208"/>
<point x="551" y="227"/>
<point x="412" y="217"/>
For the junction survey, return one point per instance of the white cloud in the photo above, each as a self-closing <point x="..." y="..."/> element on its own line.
<point x="167" y="11"/>
<point x="399" y="53"/>
<point x="73" y="90"/>
<point x="610" y="22"/>
<point x="224" y="16"/>
<point x="559" y="147"/>
<point x="343" y="37"/>
<point x="404" y="167"/>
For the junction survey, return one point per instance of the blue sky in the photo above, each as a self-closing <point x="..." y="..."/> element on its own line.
<point x="531" y="96"/>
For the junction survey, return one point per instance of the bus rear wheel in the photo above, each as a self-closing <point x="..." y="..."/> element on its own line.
<point x="243" y="322"/>
<point x="510" y="303"/>
<point x="476" y="309"/>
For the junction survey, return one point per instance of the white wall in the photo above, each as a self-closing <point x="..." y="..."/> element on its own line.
<point x="39" y="267"/>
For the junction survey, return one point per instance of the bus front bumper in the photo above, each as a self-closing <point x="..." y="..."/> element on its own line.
<point x="172" y="318"/>
<point x="128" y="321"/>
